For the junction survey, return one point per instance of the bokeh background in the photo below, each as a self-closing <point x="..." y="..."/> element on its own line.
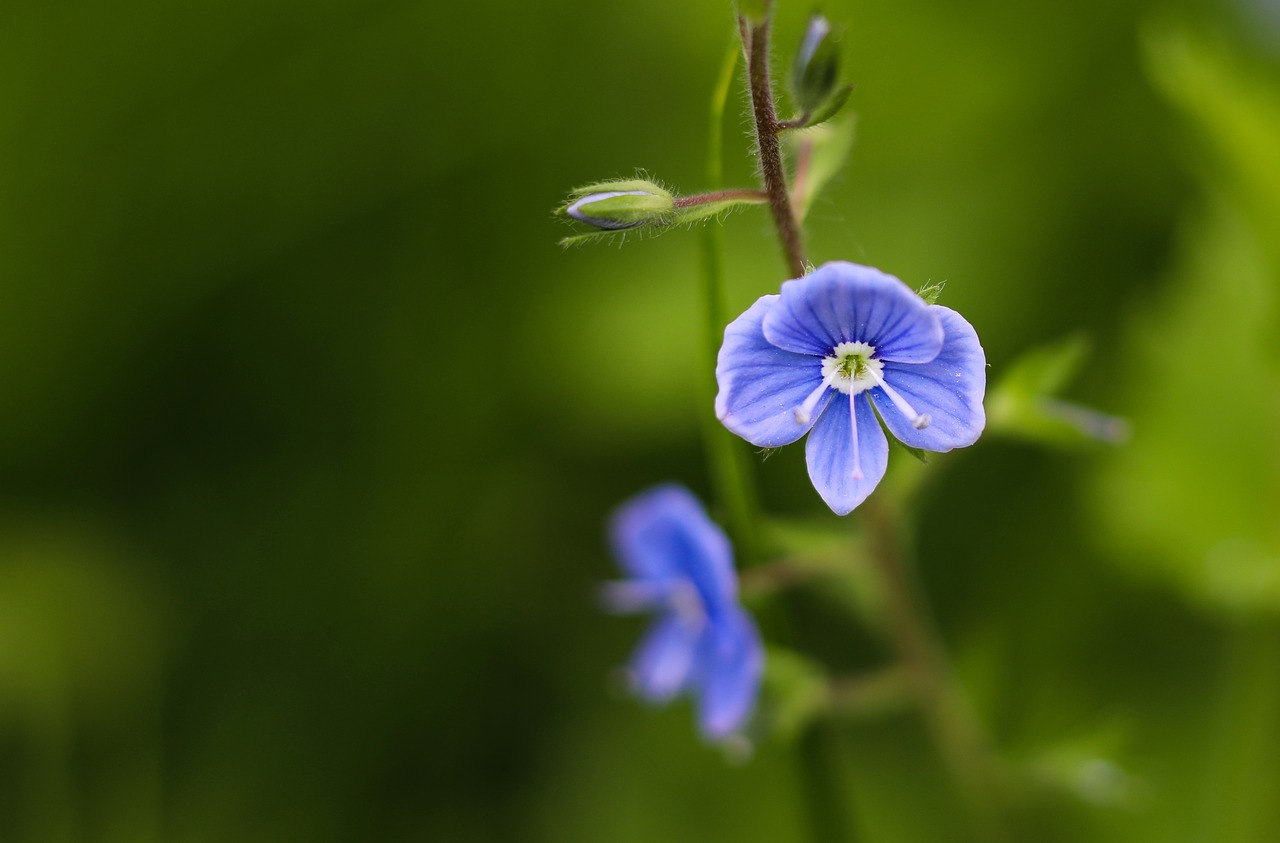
<point x="308" y="429"/>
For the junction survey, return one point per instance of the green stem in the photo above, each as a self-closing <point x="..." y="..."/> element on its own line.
<point x="963" y="745"/>
<point x="729" y="471"/>
<point x="827" y="800"/>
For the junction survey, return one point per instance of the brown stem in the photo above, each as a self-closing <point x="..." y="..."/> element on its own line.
<point x="756" y="45"/>
<point x="720" y="196"/>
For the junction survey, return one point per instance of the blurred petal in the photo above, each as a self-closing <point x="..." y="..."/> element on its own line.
<point x="761" y="385"/>
<point x="731" y="661"/>
<point x="662" y="663"/>
<point x="829" y="452"/>
<point x="664" y="534"/>
<point x="639" y="595"/>
<point x="845" y="302"/>
<point x="948" y="388"/>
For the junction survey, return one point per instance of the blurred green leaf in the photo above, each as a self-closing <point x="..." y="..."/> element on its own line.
<point x="1022" y="403"/>
<point x="796" y="690"/>
<point x="1193" y="502"/>
<point x="819" y="154"/>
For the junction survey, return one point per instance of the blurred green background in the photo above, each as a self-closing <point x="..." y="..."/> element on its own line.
<point x="308" y="429"/>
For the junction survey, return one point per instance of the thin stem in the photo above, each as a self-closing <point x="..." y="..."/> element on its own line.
<point x="729" y="471"/>
<point x="828" y="801"/>
<point x="721" y="196"/>
<point x="961" y="742"/>
<point x="774" y="174"/>
<point x="868" y="694"/>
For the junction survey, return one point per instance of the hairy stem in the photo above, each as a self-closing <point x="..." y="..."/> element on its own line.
<point x="772" y="171"/>
<point x="720" y="196"/>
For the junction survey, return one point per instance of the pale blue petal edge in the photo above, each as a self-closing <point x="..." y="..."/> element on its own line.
<point x="950" y="388"/>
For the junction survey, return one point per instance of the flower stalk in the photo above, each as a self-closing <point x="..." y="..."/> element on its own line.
<point x="755" y="36"/>
<point x="961" y="741"/>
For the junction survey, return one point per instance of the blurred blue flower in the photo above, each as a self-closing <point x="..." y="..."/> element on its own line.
<point x="850" y="330"/>
<point x="680" y="566"/>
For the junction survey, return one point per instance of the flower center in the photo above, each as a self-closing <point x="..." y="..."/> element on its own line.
<point x="851" y="368"/>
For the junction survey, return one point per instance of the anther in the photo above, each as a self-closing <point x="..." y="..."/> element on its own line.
<point x="918" y="420"/>
<point x="804" y="413"/>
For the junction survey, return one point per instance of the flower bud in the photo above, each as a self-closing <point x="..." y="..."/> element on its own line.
<point x="618" y="205"/>
<point x="817" y="66"/>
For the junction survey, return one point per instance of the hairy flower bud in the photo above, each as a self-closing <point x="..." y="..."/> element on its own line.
<point x="817" y="66"/>
<point x="618" y="205"/>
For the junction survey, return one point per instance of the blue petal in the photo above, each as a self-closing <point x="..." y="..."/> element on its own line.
<point x="829" y="452"/>
<point x="665" y="534"/>
<point x="844" y="302"/>
<point x="731" y="661"/>
<point x="949" y="388"/>
<point x="761" y="385"/>
<point x="663" y="662"/>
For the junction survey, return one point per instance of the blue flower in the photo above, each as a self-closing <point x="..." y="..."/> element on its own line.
<point x="789" y="362"/>
<point x="680" y="566"/>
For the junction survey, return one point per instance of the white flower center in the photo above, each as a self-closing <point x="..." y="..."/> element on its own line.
<point x="851" y="368"/>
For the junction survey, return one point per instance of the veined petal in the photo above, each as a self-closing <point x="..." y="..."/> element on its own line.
<point x="830" y="454"/>
<point x="948" y="388"/>
<point x="664" y="534"/>
<point x="730" y="663"/>
<point x="663" y="662"/>
<point x="761" y="386"/>
<point x="845" y="302"/>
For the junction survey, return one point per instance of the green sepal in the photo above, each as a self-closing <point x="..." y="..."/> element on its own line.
<point x="1024" y="404"/>
<point x="590" y="236"/>
<point x="826" y="111"/>
<point x="619" y="184"/>
<point x="823" y="151"/>
<point x="931" y="292"/>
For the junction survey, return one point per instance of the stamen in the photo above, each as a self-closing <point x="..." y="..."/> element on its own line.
<point x="636" y="595"/>
<point x="853" y="426"/>
<point x="918" y="420"/>
<point x="804" y="413"/>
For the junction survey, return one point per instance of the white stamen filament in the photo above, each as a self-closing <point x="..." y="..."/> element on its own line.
<point x="918" y="420"/>
<point x="804" y="413"/>
<point x="853" y="426"/>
